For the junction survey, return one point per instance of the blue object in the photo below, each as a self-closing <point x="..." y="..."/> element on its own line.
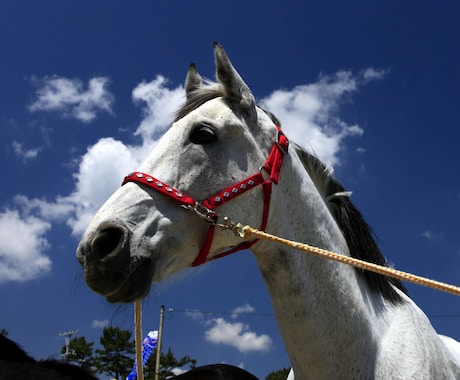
<point x="148" y="345"/>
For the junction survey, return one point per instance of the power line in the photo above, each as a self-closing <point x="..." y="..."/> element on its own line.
<point x="243" y="313"/>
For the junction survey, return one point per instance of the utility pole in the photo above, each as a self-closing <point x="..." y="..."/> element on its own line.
<point x="67" y="335"/>
<point x="160" y="334"/>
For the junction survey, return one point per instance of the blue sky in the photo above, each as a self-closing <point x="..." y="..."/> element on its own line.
<point x="87" y="87"/>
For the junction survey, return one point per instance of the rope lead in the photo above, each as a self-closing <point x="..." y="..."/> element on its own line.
<point x="248" y="231"/>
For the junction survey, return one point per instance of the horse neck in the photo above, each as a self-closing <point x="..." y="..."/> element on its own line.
<point x="322" y="308"/>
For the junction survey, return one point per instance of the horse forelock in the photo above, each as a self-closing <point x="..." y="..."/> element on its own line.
<point x="358" y="234"/>
<point x="210" y="91"/>
<point x="198" y="97"/>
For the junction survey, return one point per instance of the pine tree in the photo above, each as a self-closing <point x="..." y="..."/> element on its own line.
<point x="80" y="353"/>
<point x="281" y="374"/>
<point x="167" y="363"/>
<point x="117" y="355"/>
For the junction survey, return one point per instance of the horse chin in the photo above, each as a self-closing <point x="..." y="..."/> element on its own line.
<point x="137" y="285"/>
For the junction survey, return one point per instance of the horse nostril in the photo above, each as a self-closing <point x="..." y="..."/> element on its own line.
<point x="107" y="241"/>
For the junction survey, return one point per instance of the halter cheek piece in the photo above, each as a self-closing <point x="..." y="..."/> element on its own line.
<point x="205" y="209"/>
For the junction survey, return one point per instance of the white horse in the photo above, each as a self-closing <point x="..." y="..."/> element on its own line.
<point x="336" y="322"/>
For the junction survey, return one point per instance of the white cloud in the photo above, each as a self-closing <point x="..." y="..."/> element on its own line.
<point x="58" y="210"/>
<point x="195" y="314"/>
<point x="71" y="98"/>
<point x="100" y="324"/>
<point x="161" y="104"/>
<point x="244" y="309"/>
<point x="432" y="236"/>
<point x="25" y="154"/>
<point x="178" y="371"/>
<point x="101" y="171"/>
<point x="237" y="335"/>
<point x="234" y="334"/>
<point x="104" y="165"/>
<point x="309" y="113"/>
<point x="374" y="74"/>
<point x="23" y="244"/>
<point x="426" y="234"/>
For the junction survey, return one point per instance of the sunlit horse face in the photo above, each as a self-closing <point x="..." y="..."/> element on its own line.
<point x="139" y="235"/>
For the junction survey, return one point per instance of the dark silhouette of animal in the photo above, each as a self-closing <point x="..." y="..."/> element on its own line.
<point x="216" y="372"/>
<point x="16" y="364"/>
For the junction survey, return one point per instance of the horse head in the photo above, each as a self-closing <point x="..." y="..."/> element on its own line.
<point x="140" y="235"/>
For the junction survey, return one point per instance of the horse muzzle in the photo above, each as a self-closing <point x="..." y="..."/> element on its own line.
<point x="108" y="266"/>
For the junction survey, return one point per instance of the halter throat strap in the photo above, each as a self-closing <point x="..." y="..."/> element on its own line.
<point x="267" y="175"/>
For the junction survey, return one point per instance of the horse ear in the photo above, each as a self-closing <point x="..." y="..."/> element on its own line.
<point x="234" y="85"/>
<point x="193" y="80"/>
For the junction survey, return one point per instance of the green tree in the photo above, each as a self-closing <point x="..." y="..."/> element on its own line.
<point x="116" y="358"/>
<point x="281" y="374"/>
<point x="80" y="353"/>
<point x="167" y="363"/>
<point x="4" y="332"/>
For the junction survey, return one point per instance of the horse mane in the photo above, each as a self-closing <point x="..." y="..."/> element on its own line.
<point x="358" y="234"/>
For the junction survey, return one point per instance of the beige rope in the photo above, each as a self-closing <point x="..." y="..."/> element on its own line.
<point x="138" y="339"/>
<point x="387" y="271"/>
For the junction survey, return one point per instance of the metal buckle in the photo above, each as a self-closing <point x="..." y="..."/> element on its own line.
<point x="211" y="217"/>
<point x="264" y="172"/>
<point x="203" y="212"/>
<point x="277" y="142"/>
<point x="228" y="224"/>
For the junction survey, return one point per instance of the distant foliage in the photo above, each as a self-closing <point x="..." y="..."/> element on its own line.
<point x="117" y="355"/>
<point x="167" y="363"/>
<point x="80" y="353"/>
<point x="281" y="374"/>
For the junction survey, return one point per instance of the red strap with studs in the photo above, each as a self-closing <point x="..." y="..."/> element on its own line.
<point x="272" y="168"/>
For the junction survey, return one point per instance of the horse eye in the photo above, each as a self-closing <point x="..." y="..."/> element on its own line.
<point x="203" y="134"/>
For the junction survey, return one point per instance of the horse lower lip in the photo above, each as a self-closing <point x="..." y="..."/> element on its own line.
<point x="136" y="286"/>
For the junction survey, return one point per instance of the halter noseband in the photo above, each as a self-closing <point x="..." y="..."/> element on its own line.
<point x="205" y="209"/>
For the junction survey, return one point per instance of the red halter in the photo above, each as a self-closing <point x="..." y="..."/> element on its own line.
<point x="204" y="209"/>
